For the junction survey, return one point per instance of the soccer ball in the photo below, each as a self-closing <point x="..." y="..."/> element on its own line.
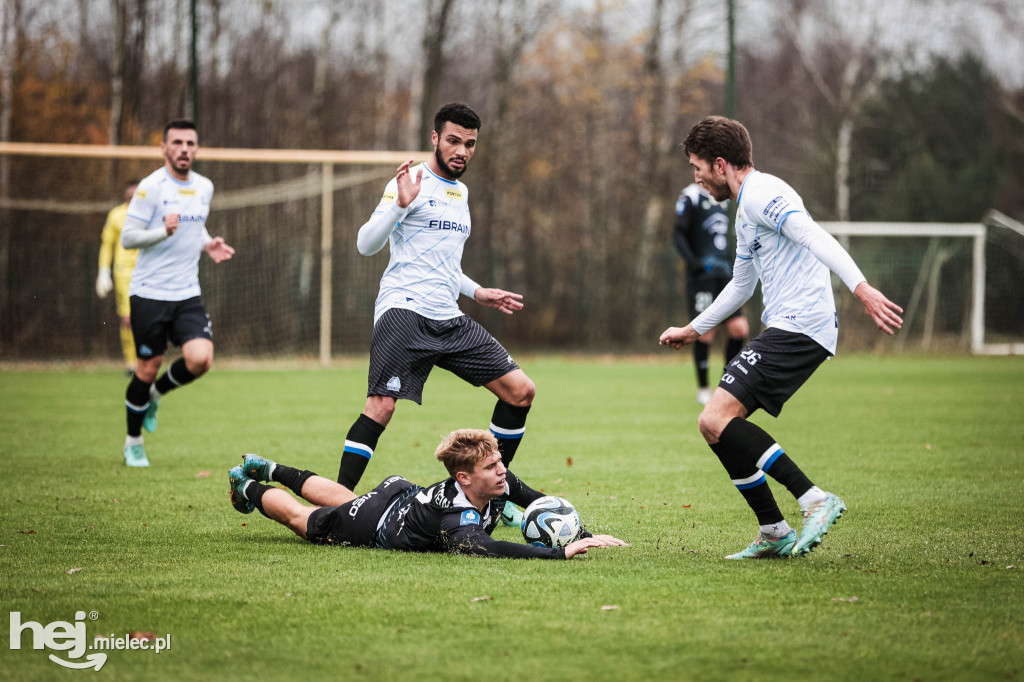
<point x="550" y="522"/>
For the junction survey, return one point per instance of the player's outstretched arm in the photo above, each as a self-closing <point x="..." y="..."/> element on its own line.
<point x="218" y="250"/>
<point x="879" y="308"/>
<point x="581" y="546"/>
<point x="505" y="301"/>
<point x="677" y="337"/>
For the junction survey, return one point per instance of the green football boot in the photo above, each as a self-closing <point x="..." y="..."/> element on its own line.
<point x="237" y="479"/>
<point x="149" y="421"/>
<point x="511" y="516"/>
<point x="818" y="518"/>
<point x="135" y="456"/>
<point x="765" y="548"/>
<point x="257" y="468"/>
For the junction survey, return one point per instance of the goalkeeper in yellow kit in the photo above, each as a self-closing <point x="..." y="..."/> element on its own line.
<point x="123" y="265"/>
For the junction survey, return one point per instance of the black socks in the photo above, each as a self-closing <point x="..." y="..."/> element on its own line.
<point x="508" y="424"/>
<point x="359" y="446"/>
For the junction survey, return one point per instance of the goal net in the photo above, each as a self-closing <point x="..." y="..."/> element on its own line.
<point x="957" y="284"/>
<point x="296" y="285"/>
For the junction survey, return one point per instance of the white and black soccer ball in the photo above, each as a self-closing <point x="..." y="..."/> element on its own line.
<point x="550" y="522"/>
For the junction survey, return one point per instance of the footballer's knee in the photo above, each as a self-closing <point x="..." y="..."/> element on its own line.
<point x="523" y="392"/>
<point x="146" y="370"/>
<point x="198" y="366"/>
<point x="711" y="422"/>
<point x="198" y="354"/>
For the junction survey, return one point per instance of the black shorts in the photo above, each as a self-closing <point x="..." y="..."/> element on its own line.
<point x="153" y="322"/>
<point x="406" y="346"/>
<point x="355" y="523"/>
<point x="705" y="289"/>
<point x="771" y="368"/>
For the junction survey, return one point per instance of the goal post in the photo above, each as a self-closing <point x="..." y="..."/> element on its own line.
<point x="59" y="192"/>
<point x="938" y="247"/>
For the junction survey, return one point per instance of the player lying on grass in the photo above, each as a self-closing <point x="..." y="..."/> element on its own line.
<point x="455" y="515"/>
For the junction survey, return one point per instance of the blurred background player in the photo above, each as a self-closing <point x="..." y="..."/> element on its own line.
<point x="701" y="235"/>
<point x="123" y="261"/>
<point x="166" y="221"/>
<point x="778" y="243"/>
<point x="456" y="515"/>
<point x="417" y="323"/>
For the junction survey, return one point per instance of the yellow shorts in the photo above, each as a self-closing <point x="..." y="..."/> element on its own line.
<point x="124" y="308"/>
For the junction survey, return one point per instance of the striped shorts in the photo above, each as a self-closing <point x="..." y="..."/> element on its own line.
<point x="406" y="346"/>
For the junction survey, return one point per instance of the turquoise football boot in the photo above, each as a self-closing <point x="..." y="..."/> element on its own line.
<point x="765" y="548"/>
<point x="818" y="518"/>
<point x="237" y="479"/>
<point x="135" y="456"/>
<point x="511" y="516"/>
<point x="257" y="468"/>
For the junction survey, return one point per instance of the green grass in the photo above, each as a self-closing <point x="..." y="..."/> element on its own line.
<point x="927" y="454"/>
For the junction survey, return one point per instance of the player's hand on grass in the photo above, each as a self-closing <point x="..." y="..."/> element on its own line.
<point x="407" y="187"/>
<point x="610" y="541"/>
<point x="581" y="546"/>
<point x="218" y="250"/>
<point x="505" y="301"/>
<point x="677" y="337"/>
<point x="879" y="308"/>
<point x="103" y="283"/>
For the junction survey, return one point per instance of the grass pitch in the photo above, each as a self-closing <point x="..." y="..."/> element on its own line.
<point x="922" y="579"/>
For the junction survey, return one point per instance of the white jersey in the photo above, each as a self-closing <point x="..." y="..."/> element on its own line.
<point x="796" y="286"/>
<point x="425" y="271"/>
<point x="169" y="269"/>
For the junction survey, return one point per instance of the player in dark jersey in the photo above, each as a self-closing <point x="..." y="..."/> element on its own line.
<point x="700" y="234"/>
<point x="456" y="515"/>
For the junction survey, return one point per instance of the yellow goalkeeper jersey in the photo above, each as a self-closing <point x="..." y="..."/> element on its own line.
<point x="110" y="244"/>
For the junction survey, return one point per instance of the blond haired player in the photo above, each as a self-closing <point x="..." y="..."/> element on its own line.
<point x="123" y="261"/>
<point x="456" y="515"/>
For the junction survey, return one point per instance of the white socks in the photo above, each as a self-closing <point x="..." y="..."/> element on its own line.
<point x="774" y="531"/>
<point x="811" y="497"/>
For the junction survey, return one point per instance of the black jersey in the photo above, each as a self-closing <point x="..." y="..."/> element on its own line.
<point x="701" y="233"/>
<point x="441" y="518"/>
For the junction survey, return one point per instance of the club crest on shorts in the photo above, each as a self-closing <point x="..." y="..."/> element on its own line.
<point x="394" y="384"/>
<point x="145" y="351"/>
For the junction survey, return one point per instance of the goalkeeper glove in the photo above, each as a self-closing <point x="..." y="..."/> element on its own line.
<point x="103" y="283"/>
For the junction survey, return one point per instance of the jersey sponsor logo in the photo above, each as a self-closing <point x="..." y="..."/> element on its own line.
<point x="187" y="192"/>
<point x="389" y="197"/>
<point x="389" y="481"/>
<point x="394" y="384"/>
<point x="470" y="517"/>
<point x="755" y="245"/>
<point x="359" y="502"/>
<point x="453" y="194"/>
<point x="775" y="208"/>
<point x="449" y="225"/>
